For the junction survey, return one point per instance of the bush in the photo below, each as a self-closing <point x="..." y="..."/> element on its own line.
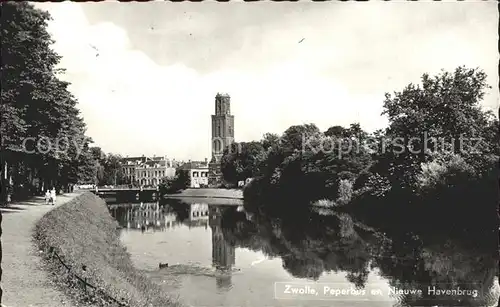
<point x="345" y="192"/>
<point x="180" y="182"/>
<point x="444" y="171"/>
<point x="324" y="203"/>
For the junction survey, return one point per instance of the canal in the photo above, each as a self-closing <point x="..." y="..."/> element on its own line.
<point x="221" y="255"/>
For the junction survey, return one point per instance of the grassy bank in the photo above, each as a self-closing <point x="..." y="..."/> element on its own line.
<point x="83" y="233"/>
<point x="209" y="193"/>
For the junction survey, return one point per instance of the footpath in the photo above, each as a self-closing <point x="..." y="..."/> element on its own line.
<point x="24" y="282"/>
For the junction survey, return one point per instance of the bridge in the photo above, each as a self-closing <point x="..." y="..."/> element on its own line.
<point x="128" y="194"/>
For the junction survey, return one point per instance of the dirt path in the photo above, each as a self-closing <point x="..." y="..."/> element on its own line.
<point x="24" y="282"/>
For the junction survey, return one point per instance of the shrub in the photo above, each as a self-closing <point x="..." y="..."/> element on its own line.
<point x="345" y="192"/>
<point x="325" y="203"/>
<point x="444" y="170"/>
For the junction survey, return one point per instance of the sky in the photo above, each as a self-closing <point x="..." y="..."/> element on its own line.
<point x="146" y="74"/>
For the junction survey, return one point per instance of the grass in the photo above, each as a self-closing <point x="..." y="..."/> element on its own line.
<point x="82" y="232"/>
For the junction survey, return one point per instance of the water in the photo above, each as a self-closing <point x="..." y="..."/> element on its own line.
<point x="223" y="256"/>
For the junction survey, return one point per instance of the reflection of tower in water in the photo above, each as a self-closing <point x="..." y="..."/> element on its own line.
<point x="223" y="253"/>
<point x="223" y="256"/>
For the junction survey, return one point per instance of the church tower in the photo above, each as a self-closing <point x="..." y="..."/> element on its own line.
<point x="222" y="135"/>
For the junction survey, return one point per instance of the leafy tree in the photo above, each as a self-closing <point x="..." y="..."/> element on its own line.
<point x="36" y="104"/>
<point x="180" y="182"/>
<point x="113" y="172"/>
<point x="242" y="160"/>
<point x="445" y="107"/>
<point x="270" y="140"/>
<point x="294" y="138"/>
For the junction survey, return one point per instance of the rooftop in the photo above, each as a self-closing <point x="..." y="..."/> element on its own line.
<point x="193" y="164"/>
<point x="134" y="158"/>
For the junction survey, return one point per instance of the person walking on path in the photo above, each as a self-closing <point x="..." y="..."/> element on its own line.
<point x="47" y="197"/>
<point x="53" y="196"/>
<point x="24" y="280"/>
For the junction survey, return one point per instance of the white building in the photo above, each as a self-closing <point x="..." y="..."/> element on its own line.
<point x="153" y="170"/>
<point x="198" y="173"/>
<point x="147" y="171"/>
<point x="128" y="166"/>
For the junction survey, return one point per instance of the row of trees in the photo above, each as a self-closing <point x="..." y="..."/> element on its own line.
<point x="43" y="140"/>
<point x="38" y="112"/>
<point x="105" y="169"/>
<point x="440" y="146"/>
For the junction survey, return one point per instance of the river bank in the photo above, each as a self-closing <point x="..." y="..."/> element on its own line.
<point x="208" y="193"/>
<point x="86" y="239"/>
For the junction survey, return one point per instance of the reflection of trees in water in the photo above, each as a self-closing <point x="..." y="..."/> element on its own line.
<point x="181" y="209"/>
<point x="310" y="268"/>
<point x="445" y="266"/>
<point x="313" y="244"/>
<point x="308" y="246"/>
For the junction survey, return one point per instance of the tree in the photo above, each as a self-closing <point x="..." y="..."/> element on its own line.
<point x="35" y="104"/>
<point x="297" y="163"/>
<point x="445" y="107"/>
<point x="113" y="172"/>
<point x="293" y="138"/>
<point x="270" y="140"/>
<point x="180" y="182"/>
<point x="242" y="160"/>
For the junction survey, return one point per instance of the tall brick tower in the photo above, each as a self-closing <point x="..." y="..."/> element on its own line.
<point x="222" y="136"/>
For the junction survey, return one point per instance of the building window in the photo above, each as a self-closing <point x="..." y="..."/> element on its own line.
<point x="144" y="174"/>
<point x="156" y="173"/>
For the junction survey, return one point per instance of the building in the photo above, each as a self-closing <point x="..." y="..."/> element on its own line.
<point x="153" y="170"/>
<point x="147" y="171"/>
<point x="222" y="136"/>
<point x="128" y="166"/>
<point x="198" y="173"/>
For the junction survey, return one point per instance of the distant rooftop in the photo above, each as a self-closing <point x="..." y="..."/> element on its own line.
<point x="134" y="158"/>
<point x="222" y="95"/>
<point x="193" y="165"/>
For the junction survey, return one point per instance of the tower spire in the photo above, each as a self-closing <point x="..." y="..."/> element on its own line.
<point x="222" y="135"/>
